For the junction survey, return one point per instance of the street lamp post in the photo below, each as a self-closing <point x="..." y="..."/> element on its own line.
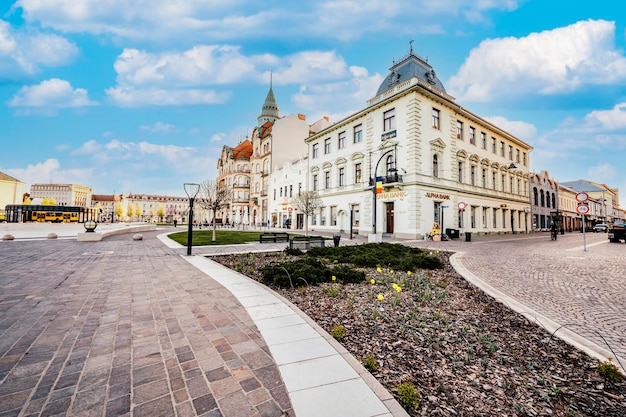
<point x="373" y="182"/>
<point x="191" y="189"/>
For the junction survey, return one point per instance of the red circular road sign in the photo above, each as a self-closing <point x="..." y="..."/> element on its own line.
<point x="582" y="209"/>
<point x="462" y="205"/>
<point x="581" y="197"/>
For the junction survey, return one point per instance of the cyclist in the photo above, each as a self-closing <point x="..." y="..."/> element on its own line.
<point x="553" y="231"/>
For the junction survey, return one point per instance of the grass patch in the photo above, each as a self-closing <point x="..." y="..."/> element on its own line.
<point x="222" y="237"/>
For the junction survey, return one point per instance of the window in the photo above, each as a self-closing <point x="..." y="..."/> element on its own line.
<point x="484" y="217"/>
<point x="493" y="144"/>
<point x="315" y="150"/>
<point x="459" y="129"/>
<point x="327" y="146"/>
<point x="281" y="191"/>
<point x="356" y="216"/>
<point x="503" y="182"/>
<point x="483" y="140"/>
<point x="494" y="181"/>
<point x="315" y="182"/>
<point x="484" y="178"/>
<point x="435" y="166"/>
<point x="547" y="199"/>
<point x="460" y="172"/>
<point x="342" y="175"/>
<point x="299" y="188"/>
<point x="501" y="148"/>
<point x="358" y="133"/>
<point x="291" y="191"/>
<point x="358" y="172"/>
<point x="517" y="158"/>
<point x="435" y="118"/>
<point x="495" y="218"/>
<point x="524" y="158"/>
<point x="472" y="135"/>
<point x="543" y="198"/>
<point x="510" y="184"/>
<point x="333" y="216"/>
<point x="275" y="194"/>
<point x="510" y="152"/>
<point x="341" y="142"/>
<point x="389" y="120"/>
<point x="390" y="165"/>
<point x="326" y="180"/>
<point x="323" y="216"/>
<point x="473" y="175"/>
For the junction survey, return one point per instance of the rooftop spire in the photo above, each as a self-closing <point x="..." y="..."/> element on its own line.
<point x="269" y="111"/>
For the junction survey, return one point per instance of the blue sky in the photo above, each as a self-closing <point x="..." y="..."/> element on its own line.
<point x="140" y="96"/>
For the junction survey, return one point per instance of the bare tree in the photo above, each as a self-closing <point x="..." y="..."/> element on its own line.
<point x="306" y="202"/>
<point x="212" y="197"/>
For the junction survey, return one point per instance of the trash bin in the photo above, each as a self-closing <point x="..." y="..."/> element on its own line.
<point x="468" y="236"/>
<point x="452" y="233"/>
<point x="336" y="239"/>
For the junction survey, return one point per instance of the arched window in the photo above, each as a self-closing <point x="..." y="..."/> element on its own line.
<point x="390" y="165"/>
<point x="435" y="165"/>
<point x="543" y="199"/>
<point x="553" y="200"/>
<point x="536" y="196"/>
<point x="548" y="199"/>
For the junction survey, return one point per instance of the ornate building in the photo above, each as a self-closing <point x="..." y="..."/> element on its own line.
<point x="544" y="201"/>
<point x="414" y="161"/>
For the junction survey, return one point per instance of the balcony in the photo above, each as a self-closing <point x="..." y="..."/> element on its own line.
<point x="387" y="179"/>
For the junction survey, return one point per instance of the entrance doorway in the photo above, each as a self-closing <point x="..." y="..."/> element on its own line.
<point x="388" y="217"/>
<point x="299" y="221"/>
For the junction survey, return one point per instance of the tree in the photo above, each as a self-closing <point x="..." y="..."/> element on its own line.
<point x="160" y="212"/>
<point x="139" y="211"/>
<point x="130" y="211"/>
<point x="307" y="202"/>
<point x="119" y="210"/>
<point x="211" y="197"/>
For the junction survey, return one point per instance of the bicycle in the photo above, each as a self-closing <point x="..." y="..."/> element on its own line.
<point x="553" y="234"/>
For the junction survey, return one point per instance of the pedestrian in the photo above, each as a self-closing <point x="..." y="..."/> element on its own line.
<point x="175" y="222"/>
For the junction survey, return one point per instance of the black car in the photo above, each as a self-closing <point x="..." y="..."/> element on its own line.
<point x="600" y="227"/>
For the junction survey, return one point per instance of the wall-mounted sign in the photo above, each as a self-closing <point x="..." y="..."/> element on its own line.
<point x="391" y="194"/>
<point x="438" y="196"/>
<point x="388" y="135"/>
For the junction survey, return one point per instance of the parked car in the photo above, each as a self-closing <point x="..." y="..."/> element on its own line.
<point x="617" y="233"/>
<point x="600" y="227"/>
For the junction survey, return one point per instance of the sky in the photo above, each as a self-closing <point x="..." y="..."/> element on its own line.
<point x="140" y="96"/>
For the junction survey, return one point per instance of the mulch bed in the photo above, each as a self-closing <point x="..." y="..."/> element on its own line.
<point x="466" y="354"/>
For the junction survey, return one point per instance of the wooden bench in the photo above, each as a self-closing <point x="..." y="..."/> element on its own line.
<point x="274" y="237"/>
<point x="306" y="242"/>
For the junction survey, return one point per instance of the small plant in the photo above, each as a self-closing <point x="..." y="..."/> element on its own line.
<point x="333" y="292"/>
<point x="302" y="290"/>
<point x="338" y="332"/>
<point x="609" y="371"/>
<point x="250" y="271"/>
<point x="369" y="362"/>
<point x="408" y="395"/>
<point x="238" y="267"/>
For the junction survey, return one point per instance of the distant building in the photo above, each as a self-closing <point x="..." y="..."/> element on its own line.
<point x="63" y="194"/>
<point x="544" y="200"/>
<point x="603" y="201"/>
<point x="11" y="190"/>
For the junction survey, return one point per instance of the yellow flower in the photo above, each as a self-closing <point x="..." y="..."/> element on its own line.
<point x="379" y="269"/>
<point x="398" y="288"/>
<point x="334" y="278"/>
<point x="408" y="273"/>
<point x="394" y="285"/>
<point x="372" y="281"/>
<point x="391" y="272"/>
<point x="380" y="297"/>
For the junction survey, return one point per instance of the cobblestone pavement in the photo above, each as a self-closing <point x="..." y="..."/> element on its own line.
<point x="582" y="290"/>
<point x="121" y="328"/>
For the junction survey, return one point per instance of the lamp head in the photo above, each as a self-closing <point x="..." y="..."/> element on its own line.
<point x="512" y="166"/>
<point x="191" y="189"/>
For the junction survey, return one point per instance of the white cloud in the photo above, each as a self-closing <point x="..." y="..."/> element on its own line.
<point x="22" y="54"/>
<point x="50" y="171"/>
<point x="202" y="20"/>
<point x="159" y="127"/>
<point x="52" y="93"/>
<point x="131" y="97"/>
<point x="522" y="130"/>
<point x="550" y="62"/>
<point x="613" y="119"/>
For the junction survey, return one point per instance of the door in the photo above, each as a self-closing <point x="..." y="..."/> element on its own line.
<point x="389" y="217"/>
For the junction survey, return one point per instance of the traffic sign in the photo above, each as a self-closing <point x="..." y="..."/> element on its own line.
<point x="462" y="205"/>
<point x="580" y="197"/>
<point x="582" y="209"/>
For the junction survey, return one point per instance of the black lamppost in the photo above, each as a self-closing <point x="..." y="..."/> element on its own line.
<point x="373" y="183"/>
<point x="191" y="189"/>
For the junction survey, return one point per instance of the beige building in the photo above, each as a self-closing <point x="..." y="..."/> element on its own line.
<point x="544" y="201"/>
<point x="64" y="194"/>
<point x="11" y="190"/>
<point x="415" y="163"/>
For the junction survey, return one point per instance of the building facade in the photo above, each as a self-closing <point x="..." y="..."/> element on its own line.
<point x="414" y="162"/>
<point x="544" y="201"/>
<point x="11" y="190"/>
<point x="63" y="194"/>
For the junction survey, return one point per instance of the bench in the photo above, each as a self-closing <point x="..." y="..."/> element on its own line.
<point x="274" y="237"/>
<point x="306" y="242"/>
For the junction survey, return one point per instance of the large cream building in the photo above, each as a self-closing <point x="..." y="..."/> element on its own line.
<point x="64" y="194"/>
<point x="414" y="160"/>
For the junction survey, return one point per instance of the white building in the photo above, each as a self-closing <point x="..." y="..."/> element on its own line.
<point x="63" y="194"/>
<point x="426" y="156"/>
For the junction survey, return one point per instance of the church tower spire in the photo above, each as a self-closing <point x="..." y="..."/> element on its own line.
<point x="269" y="111"/>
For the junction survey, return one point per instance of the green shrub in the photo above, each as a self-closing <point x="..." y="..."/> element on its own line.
<point x="348" y="275"/>
<point x="293" y="252"/>
<point x="308" y="269"/>
<point x="338" y="332"/>
<point x="408" y="395"/>
<point x="369" y="362"/>
<point x="609" y="371"/>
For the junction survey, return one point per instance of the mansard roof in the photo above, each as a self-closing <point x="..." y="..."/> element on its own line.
<point x="408" y="67"/>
